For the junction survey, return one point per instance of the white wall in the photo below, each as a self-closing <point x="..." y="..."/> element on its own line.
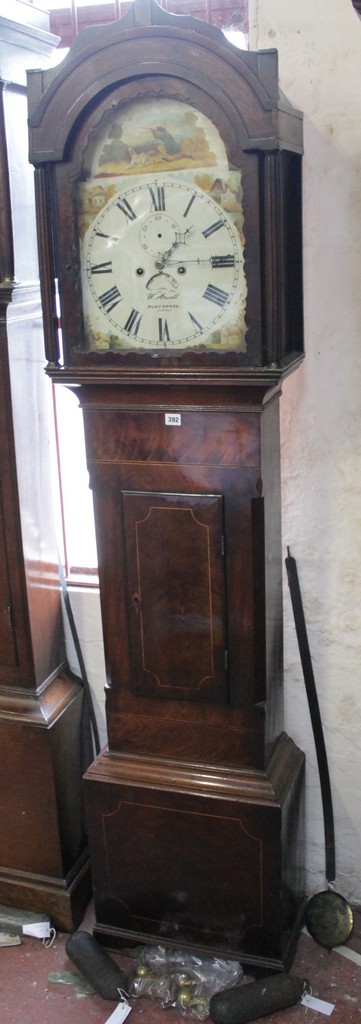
<point x="319" y="46"/>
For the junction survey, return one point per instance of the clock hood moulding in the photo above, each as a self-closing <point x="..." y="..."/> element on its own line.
<point x="184" y="45"/>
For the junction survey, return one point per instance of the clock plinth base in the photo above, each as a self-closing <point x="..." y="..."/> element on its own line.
<point x="44" y="862"/>
<point x="64" y="900"/>
<point x="198" y="858"/>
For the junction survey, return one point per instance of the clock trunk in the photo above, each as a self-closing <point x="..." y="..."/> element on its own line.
<point x="195" y="828"/>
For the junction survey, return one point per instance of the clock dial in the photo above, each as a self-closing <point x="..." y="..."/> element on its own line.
<point x="162" y="268"/>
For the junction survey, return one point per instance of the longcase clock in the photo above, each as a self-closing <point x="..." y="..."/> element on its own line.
<point x="168" y="173"/>
<point x="44" y="863"/>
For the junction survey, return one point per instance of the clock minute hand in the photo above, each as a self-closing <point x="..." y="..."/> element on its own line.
<point x="228" y="260"/>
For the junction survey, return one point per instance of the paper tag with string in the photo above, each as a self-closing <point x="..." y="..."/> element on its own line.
<point x="38" y="929"/>
<point x="312" y="1003"/>
<point x="121" y="1011"/>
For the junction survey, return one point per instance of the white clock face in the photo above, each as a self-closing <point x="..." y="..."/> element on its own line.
<point x="162" y="268"/>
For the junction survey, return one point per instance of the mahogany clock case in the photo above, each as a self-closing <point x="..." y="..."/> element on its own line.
<point x="195" y="809"/>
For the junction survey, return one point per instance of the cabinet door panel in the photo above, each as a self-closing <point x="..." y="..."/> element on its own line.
<point x="174" y="556"/>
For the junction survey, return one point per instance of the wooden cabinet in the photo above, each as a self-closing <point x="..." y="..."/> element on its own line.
<point x="44" y="864"/>
<point x="169" y="211"/>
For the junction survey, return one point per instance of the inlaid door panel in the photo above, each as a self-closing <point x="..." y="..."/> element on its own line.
<point x="175" y="591"/>
<point x="238" y="488"/>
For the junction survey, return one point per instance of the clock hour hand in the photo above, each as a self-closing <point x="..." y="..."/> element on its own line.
<point x="180" y="239"/>
<point x="181" y="236"/>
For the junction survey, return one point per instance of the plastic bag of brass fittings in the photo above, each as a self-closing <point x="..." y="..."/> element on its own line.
<point x="174" y="978"/>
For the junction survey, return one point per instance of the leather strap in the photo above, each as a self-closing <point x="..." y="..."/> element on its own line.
<point x="316" y="722"/>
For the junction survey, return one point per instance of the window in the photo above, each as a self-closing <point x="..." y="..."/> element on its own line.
<point x="68" y="18"/>
<point x="80" y="554"/>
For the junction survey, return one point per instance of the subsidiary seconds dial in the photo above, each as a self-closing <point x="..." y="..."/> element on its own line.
<point x="162" y="268"/>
